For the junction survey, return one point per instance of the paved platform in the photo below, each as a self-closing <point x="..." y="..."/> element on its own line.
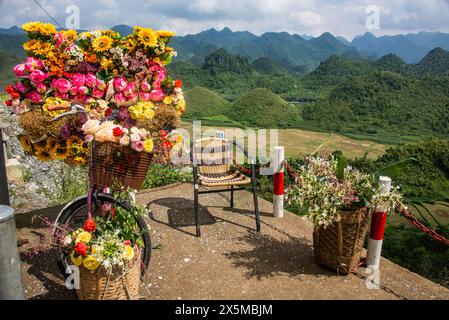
<point x="231" y="260"/>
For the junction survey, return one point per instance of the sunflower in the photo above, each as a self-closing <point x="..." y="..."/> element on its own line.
<point x="130" y="44"/>
<point x="31" y="26"/>
<point x="148" y="37"/>
<point x="51" y="144"/>
<point x="105" y="63"/>
<point x="165" y="33"/>
<point x="102" y="43"/>
<point x="43" y="155"/>
<point x="74" y="140"/>
<point x="60" y="152"/>
<point x="47" y="29"/>
<point x="41" y="145"/>
<point x="25" y="142"/>
<point x="31" y="45"/>
<point x="78" y="161"/>
<point x="70" y="35"/>
<point x="43" y="48"/>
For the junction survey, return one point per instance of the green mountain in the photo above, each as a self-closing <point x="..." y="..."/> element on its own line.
<point x="203" y="103"/>
<point x="393" y="63"/>
<point x="267" y="66"/>
<point x="436" y="62"/>
<point x="384" y="102"/>
<point x="262" y="108"/>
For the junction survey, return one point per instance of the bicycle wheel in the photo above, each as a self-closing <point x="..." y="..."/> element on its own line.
<point x="74" y="216"/>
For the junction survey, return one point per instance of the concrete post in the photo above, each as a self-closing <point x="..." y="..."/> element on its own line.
<point x="11" y="283"/>
<point x="378" y="222"/>
<point x="278" y="182"/>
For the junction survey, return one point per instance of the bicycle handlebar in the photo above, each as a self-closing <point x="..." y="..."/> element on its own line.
<point x="74" y="110"/>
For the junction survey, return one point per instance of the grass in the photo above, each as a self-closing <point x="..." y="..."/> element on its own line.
<point x="300" y="142"/>
<point x="434" y="214"/>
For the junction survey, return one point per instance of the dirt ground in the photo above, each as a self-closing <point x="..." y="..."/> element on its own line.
<point x="231" y="260"/>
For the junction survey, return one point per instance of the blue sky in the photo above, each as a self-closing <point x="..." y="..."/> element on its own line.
<point x="340" y="17"/>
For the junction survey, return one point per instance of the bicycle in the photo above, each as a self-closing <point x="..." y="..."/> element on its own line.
<point x="74" y="214"/>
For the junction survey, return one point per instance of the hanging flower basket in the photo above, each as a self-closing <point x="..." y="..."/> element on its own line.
<point x="340" y="245"/>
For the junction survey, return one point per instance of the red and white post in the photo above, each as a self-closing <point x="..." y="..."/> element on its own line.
<point x="278" y="182"/>
<point x="378" y="222"/>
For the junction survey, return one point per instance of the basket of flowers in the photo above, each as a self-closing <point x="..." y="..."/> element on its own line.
<point x="338" y="200"/>
<point x="129" y="99"/>
<point x="107" y="251"/>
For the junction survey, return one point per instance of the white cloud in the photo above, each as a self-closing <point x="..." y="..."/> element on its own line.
<point x="341" y="17"/>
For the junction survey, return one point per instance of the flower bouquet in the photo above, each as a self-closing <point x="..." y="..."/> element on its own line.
<point x="107" y="252"/>
<point x="337" y="199"/>
<point x="122" y="83"/>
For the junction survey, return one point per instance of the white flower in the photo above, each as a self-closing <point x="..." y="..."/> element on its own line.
<point x="67" y="240"/>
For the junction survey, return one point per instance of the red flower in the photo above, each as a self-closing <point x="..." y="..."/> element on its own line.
<point x="117" y="131"/>
<point x="168" y="144"/>
<point x="163" y="134"/>
<point x="108" y="112"/>
<point x="126" y="242"/>
<point x="89" y="225"/>
<point x="8" y="103"/>
<point x="178" y="83"/>
<point x="15" y="95"/>
<point x="81" y="249"/>
<point x="9" y="89"/>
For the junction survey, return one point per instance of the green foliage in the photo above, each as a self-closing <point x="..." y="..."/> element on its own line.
<point x="161" y="175"/>
<point x="416" y="251"/>
<point x="426" y="178"/>
<point x="68" y="184"/>
<point x="262" y="108"/>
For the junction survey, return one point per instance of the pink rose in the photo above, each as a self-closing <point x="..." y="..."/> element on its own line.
<point x="59" y="38"/>
<point x="32" y="64"/>
<point x="138" y="146"/>
<point x="74" y="91"/>
<point x="132" y="96"/>
<point x="144" y="96"/>
<point x="38" y="76"/>
<point x="119" y="98"/>
<point x="81" y="98"/>
<point x="91" y="80"/>
<point x="89" y="137"/>
<point x="145" y="86"/>
<point x="129" y="90"/>
<point x="101" y="85"/>
<point x="120" y="83"/>
<point x="156" y="95"/>
<point x="89" y="100"/>
<point x="20" y="87"/>
<point x="41" y="87"/>
<point x="62" y="85"/>
<point x="63" y="96"/>
<point x="83" y="90"/>
<point x="34" y="96"/>
<point x="78" y="79"/>
<point x="19" y="70"/>
<point x="97" y="93"/>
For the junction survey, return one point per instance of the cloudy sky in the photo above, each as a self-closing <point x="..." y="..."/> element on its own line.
<point x="341" y="17"/>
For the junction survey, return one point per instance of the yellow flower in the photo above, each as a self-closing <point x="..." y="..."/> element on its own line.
<point x="77" y="261"/>
<point x="59" y="152"/>
<point x="179" y="139"/>
<point x="105" y="63"/>
<point x="102" y="43"/>
<point x="70" y="35"/>
<point x="51" y="144"/>
<point x="168" y="100"/>
<point x="31" y="26"/>
<point x="91" y="263"/>
<point x="51" y="102"/>
<point x="86" y="34"/>
<point x="42" y="48"/>
<point x="43" y="155"/>
<point x="78" y="161"/>
<point x="148" y="145"/>
<point x="181" y="103"/>
<point x="47" y="29"/>
<point x="31" y="45"/>
<point x="148" y="105"/>
<point x="83" y="237"/>
<point x="148" y="113"/>
<point x="148" y="37"/>
<point x="40" y="146"/>
<point x="74" y="140"/>
<point x="165" y="33"/>
<point x="128" y="253"/>
<point x="25" y="142"/>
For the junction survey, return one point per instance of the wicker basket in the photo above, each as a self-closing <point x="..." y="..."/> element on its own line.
<point x="340" y="245"/>
<point x="115" y="163"/>
<point x="117" y="284"/>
